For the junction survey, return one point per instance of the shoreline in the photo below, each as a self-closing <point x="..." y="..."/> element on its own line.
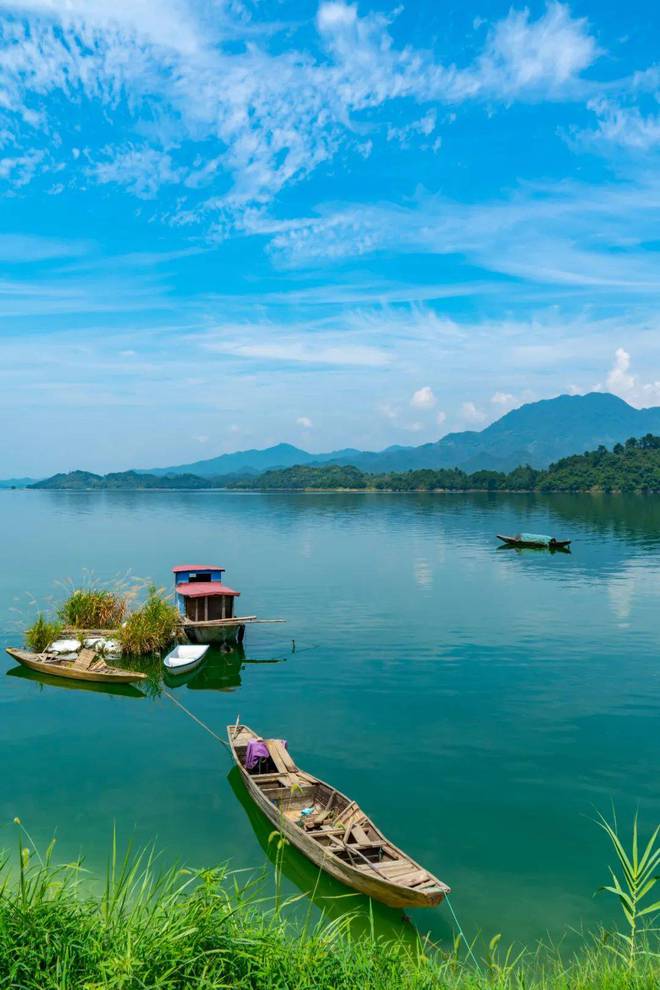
<point x="341" y="491"/>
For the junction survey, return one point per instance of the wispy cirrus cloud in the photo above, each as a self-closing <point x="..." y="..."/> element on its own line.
<point x="564" y="234"/>
<point x="246" y="121"/>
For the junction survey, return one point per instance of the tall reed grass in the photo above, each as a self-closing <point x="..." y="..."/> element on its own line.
<point x="175" y="929"/>
<point x="93" y="608"/>
<point x="151" y="627"/>
<point x="41" y="633"/>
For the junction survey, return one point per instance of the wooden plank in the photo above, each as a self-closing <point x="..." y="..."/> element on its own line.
<point x="349" y="810"/>
<point x="360" y="835"/>
<point x="315" y="820"/>
<point x="279" y="756"/>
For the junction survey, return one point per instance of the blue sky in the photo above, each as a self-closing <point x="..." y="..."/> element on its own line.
<point x="230" y="224"/>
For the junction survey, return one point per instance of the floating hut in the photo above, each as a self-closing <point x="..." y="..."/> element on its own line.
<point x="206" y="605"/>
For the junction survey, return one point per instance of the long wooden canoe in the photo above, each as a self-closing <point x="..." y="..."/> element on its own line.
<point x="336" y="835"/>
<point x="87" y="666"/>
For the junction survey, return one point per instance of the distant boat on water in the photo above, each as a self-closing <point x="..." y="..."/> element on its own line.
<point x="536" y="540"/>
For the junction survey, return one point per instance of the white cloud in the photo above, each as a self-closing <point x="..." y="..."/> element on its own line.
<point x="440" y="417"/>
<point x="622" y="382"/>
<point x="201" y="438"/>
<point x="505" y="401"/>
<point x="563" y="234"/>
<point x="502" y="398"/>
<point x="541" y="57"/>
<point x="389" y="411"/>
<point x="168" y="23"/>
<point x="423" y="398"/>
<point x="142" y="170"/>
<point x="19" y="170"/>
<point x="255" y="118"/>
<point x="472" y="414"/>
<point x="305" y="422"/>
<point x="624" y="126"/>
<point x="296" y="349"/>
<point x="28" y="248"/>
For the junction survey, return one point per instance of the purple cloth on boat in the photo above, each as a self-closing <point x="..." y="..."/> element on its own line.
<point x="257" y="750"/>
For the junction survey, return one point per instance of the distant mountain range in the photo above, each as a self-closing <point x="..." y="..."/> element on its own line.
<point x="537" y="434"/>
<point x="16" y="482"/>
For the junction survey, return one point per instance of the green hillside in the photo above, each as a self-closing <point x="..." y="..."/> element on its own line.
<point x="630" y="467"/>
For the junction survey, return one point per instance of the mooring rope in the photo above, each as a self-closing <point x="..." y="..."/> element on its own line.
<point x="224" y="742"/>
<point x="195" y="719"/>
<point x="462" y="933"/>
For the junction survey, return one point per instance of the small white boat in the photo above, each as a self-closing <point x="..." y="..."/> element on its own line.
<point x="184" y="658"/>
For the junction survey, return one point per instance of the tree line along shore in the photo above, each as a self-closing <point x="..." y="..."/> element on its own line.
<point x="633" y="466"/>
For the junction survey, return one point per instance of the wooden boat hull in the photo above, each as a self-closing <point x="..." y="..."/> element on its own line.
<point x="514" y="541"/>
<point x="93" y="687"/>
<point x="214" y="631"/>
<point x="364" y="879"/>
<point x="68" y="669"/>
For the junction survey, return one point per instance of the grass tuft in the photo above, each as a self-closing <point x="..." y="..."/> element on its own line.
<point x="150" y="628"/>
<point x="41" y="633"/>
<point x="93" y="608"/>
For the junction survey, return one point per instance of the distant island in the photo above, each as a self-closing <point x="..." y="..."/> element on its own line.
<point x="633" y="466"/>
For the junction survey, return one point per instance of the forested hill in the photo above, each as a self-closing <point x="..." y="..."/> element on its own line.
<point x="629" y="467"/>
<point x="633" y="466"/>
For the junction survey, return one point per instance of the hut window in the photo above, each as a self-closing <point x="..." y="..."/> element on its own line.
<point x="196" y="577"/>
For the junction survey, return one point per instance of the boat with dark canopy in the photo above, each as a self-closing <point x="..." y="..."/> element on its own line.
<point x="327" y="827"/>
<point x="536" y="540"/>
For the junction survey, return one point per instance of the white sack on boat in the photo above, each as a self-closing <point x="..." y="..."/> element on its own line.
<point x="64" y="646"/>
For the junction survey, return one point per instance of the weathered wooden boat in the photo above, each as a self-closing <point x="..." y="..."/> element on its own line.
<point x="206" y="606"/>
<point x="37" y="677"/>
<point x="87" y="666"/>
<point x="536" y="540"/>
<point x="327" y="827"/>
<point x="183" y="659"/>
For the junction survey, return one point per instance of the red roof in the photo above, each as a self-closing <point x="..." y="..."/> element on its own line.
<point x="203" y="589"/>
<point x="192" y="567"/>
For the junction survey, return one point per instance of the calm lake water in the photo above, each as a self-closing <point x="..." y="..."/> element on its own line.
<point x="481" y="704"/>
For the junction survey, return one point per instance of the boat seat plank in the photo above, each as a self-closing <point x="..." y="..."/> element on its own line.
<point x="279" y="756"/>
<point x="317" y="819"/>
<point x="349" y="811"/>
<point x="408" y="877"/>
<point x="360" y="835"/>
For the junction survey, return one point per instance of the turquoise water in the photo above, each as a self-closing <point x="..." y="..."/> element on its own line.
<point x="481" y="704"/>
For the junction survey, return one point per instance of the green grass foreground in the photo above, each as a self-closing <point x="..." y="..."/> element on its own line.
<point x="213" y="929"/>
